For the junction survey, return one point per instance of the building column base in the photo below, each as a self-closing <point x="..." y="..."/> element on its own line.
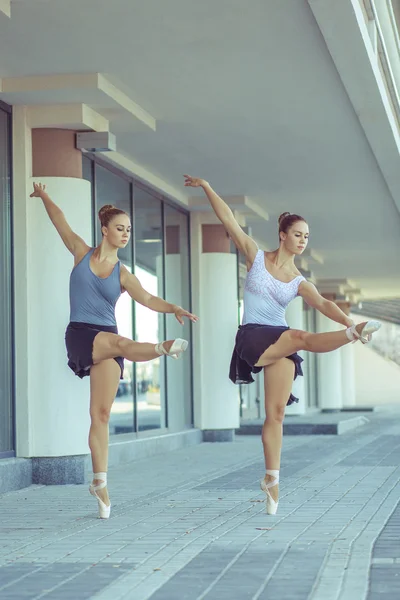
<point x="218" y="435"/>
<point x="60" y="470"/>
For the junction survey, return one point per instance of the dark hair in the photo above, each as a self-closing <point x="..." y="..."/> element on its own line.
<point x="287" y="220"/>
<point x="108" y="212"/>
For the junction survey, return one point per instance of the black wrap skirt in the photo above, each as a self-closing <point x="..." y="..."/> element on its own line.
<point x="252" y="340"/>
<point x="79" y="338"/>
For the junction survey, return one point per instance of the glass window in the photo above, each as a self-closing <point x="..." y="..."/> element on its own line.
<point x="158" y="254"/>
<point x="177" y="284"/>
<point x="149" y="325"/>
<point x="112" y="189"/>
<point x="6" y="363"/>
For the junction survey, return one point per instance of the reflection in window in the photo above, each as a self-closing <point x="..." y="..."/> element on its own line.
<point x="177" y="281"/>
<point x="149" y="325"/>
<point x="148" y="373"/>
<point x="121" y="418"/>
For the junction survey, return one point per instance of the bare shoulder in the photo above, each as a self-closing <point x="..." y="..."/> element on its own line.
<point x="251" y="251"/>
<point x="307" y="289"/>
<point x="124" y="276"/>
<point x="269" y="255"/>
<point x="81" y="249"/>
<point x="129" y="281"/>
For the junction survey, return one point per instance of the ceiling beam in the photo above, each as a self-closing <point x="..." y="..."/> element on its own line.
<point x="346" y="33"/>
<point x="5" y="7"/>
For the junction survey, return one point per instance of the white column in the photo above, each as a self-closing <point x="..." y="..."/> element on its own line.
<point x="329" y="370"/>
<point x="348" y="376"/>
<point x="218" y="327"/>
<point x="295" y="320"/>
<point x="214" y="297"/>
<point x="53" y="413"/>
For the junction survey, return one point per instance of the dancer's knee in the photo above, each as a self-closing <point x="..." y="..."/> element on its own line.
<point x="275" y="415"/>
<point x="100" y="415"/>
<point x="122" y="345"/>
<point x="299" y="339"/>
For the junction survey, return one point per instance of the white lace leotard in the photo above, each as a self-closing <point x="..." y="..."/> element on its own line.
<point x="266" y="298"/>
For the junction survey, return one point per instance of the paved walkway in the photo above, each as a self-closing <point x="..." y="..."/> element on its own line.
<point x="191" y="525"/>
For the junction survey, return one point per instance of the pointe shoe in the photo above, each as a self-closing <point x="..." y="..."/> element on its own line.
<point x="272" y="505"/>
<point x="366" y="334"/>
<point x="176" y="349"/>
<point x="104" y="510"/>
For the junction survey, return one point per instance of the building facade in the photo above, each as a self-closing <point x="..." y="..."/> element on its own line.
<point x="182" y="254"/>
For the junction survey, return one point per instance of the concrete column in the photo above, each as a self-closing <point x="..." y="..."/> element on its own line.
<point x="295" y="320"/>
<point x="214" y="272"/>
<point x="329" y="370"/>
<point x="348" y="366"/>
<point x="348" y="376"/>
<point x="52" y="404"/>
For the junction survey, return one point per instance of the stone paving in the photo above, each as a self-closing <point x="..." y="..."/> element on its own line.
<point x="191" y="524"/>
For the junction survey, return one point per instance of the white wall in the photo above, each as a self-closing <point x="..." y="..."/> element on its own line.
<point x="377" y="378"/>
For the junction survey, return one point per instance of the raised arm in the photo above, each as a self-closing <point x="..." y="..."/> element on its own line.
<point x="73" y="242"/>
<point x="243" y="242"/>
<point x="313" y="298"/>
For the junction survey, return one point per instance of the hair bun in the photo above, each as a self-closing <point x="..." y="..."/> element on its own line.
<point x="283" y="216"/>
<point x="104" y="210"/>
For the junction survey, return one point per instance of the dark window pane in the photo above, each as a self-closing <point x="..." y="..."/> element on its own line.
<point x="177" y="280"/>
<point x="149" y="326"/>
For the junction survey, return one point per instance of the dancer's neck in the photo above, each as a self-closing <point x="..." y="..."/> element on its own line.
<point x="281" y="258"/>
<point x="106" y="252"/>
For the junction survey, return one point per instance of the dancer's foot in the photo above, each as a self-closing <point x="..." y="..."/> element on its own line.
<point x="363" y="331"/>
<point x="270" y="485"/>
<point x="173" y="348"/>
<point x="168" y="344"/>
<point x="102" y="493"/>
<point x="98" y="489"/>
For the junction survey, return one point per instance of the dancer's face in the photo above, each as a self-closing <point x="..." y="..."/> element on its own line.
<point x="296" y="238"/>
<point x="118" y="232"/>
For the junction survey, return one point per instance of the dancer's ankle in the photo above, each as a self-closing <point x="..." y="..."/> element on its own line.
<point x="360" y="327"/>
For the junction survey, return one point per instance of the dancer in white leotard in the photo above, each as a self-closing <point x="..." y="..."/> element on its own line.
<point x="264" y="340"/>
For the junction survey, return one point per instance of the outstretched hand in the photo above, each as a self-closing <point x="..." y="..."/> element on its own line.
<point x="38" y="190"/>
<point x="181" y="312"/>
<point x="193" y="181"/>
